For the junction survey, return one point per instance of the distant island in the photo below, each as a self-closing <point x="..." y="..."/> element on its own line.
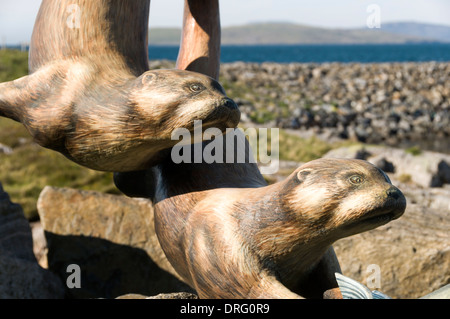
<point x="289" y="33"/>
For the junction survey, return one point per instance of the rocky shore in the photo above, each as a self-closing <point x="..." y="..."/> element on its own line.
<point x="395" y="104"/>
<point x="391" y="103"/>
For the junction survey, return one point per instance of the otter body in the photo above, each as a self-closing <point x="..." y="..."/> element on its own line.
<point x="120" y="124"/>
<point x="268" y="242"/>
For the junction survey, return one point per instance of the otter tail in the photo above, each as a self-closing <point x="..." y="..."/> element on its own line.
<point x="115" y="32"/>
<point x="18" y="96"/>
<point x="13" y="99"/>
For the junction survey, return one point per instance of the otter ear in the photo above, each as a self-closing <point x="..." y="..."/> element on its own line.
<point x="148" y="78"/>
<point x="301" y="175"/>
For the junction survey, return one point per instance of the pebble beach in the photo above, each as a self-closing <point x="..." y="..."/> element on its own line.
<point x="396" y="104"/>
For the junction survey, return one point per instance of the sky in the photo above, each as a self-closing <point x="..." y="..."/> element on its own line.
<point x="17" y="16"/>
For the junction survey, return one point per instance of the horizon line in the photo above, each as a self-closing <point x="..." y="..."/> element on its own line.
<point x="4" y="39"/>
<point x="311" y="25"/>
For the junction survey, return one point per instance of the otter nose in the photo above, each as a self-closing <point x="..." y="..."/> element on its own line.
<point x="393" y="193"/>
<point x="229" y="103"/>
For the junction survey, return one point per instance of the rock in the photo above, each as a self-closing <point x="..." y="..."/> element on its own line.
<point x="412" y="253"/>
<point x="362" y="154"/>
<point x="402" y="109"/>
<point x="5" y="149"/>
<point x="111" y="238"/>
<point x="442" y="175"/>
<point x="20" y="275"/>
<point x="385" y="165"/>
<point x="39" y="244"/>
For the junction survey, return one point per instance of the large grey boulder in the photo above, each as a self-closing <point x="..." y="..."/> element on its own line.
<point x="112" y="240"/>
<point x="20" y="274"/>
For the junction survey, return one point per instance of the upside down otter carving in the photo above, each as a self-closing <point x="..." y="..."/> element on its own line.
<point x="91" y="96"/>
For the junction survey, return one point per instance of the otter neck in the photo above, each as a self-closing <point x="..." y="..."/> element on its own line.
<point x="280" y="237"/>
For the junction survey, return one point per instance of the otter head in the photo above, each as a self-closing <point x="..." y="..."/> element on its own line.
<point x="171" y="99"/>
<point x="342" y="197"/>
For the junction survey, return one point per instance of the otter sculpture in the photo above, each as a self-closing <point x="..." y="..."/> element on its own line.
<point x="91" y="96"/>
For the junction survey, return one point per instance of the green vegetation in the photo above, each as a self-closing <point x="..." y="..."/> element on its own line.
<point x="261" y="116"/>
<point x="295" y="148"/>
<point x="299" y="149"/>
<point x="13" y="64"/>
<point x="414" y="150"/>
<point x="29" y="168"/>
<point x="405" y="178"/>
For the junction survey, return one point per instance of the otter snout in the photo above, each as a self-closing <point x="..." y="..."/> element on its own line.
<point x="397" y="200"/>
<point x="229" y="103"/>
<point x="394" y="193"/>
<point x="225" y="111"/>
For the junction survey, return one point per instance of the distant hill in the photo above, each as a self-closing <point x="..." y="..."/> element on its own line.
<point x="294" y="34"/>
<point x="164" y="35"/>
<point x="288" y="33"/>
<point x="430" y="31"/>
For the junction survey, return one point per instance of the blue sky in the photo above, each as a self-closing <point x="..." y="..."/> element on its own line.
<point x="17" y="16"/>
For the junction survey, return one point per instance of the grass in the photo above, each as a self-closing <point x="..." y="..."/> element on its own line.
<point x="261" y="116"/>
<point x="414" y="150"/>
<point x="298" y="149"/>
<point x="295" y="148"/>
<point x="405" y="178"/>
<point x="13" y="64"/>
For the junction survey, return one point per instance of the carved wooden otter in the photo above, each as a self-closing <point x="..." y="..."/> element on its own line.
<point x="266" y="242"/>
<point x="91" y="96"/>
<point x="113" y="127"/>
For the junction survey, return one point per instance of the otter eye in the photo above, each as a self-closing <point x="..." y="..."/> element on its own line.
<point x="301" y="176"/>
<point x="356" y="179"/>
<point x="196" y="87"/>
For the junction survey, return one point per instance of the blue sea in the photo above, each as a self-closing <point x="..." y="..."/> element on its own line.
<point x="320" y="53"/>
